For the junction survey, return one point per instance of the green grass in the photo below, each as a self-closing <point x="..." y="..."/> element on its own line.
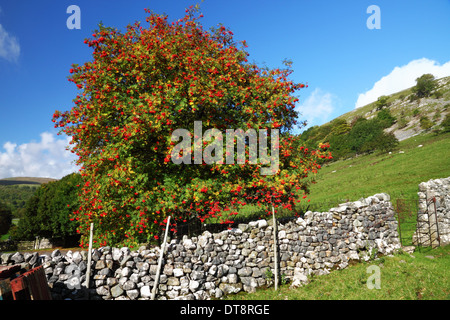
<point x="403" y="276"/>
<point x="5" y="237"/>
<point x="397" y="174"/>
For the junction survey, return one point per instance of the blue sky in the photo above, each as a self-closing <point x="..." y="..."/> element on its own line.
<point x="345" y="63"/>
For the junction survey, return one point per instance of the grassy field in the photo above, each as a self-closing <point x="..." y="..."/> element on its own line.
<point x="425" y="274"/>
<point x="422" y="275"/>
<point x="397" y="174"/>
<point x="415" y="160"/>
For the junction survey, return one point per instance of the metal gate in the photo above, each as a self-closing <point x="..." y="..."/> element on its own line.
<point x="433" y="224"/>
<point x="406" y="210"/>
<point x="427" y="231"/>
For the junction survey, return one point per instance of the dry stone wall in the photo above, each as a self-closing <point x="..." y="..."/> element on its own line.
<point x="42" y="243"/>
<point x="433" y="219"/>
<point x="240" y="259"/>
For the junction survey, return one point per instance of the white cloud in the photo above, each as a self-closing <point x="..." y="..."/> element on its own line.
<point x="402" y="78"/>
<point x="317" y="108"/>
<point x="9" y="46"/>
<point x="47" y="158"/>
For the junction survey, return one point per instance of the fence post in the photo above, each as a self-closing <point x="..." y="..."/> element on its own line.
<point x="161" y="254"/>
<point x="36" y="243"/>
<point x="88" y="272"/>
<point x="275" y="251"/>
<point x="399" y="218"/>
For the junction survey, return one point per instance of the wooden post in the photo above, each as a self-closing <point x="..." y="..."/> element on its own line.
<point x="88" y="272"/>
<point x="275" y="251"/>
<point x="161" y="254"/>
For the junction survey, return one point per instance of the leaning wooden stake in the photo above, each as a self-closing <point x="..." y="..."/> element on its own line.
<point x="88" y="272"/>
<point x="161" y="254"/>
<point x="275" y="251"/>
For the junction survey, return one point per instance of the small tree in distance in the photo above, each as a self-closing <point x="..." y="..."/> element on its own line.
<point x="382" y="102"/>
<point x="47" y="213"/>
<point x="144" y="84"/>
<point x="424" y="85"/>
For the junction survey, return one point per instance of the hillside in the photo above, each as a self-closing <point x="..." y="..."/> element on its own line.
<point x="408" y="110"/>
<point x="415" y="160"/>
<point x="24" y="180"/>
<point x="16" y="191"/>
<point x="420" y="154"/>
<point x="379" y="126"/>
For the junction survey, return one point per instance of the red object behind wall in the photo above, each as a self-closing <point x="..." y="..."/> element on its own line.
<point x="31" y="285"/>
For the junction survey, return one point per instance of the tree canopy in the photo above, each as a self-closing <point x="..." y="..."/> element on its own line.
<point x="361" y="136"/>
<point x="48" y="212"/>
<point x="144" y="84"/>
<point x="5" y="218"/>
<point x="424" y="85"/>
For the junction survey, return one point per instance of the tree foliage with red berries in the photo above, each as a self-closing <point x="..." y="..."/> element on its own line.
<point x="145" y="83"/>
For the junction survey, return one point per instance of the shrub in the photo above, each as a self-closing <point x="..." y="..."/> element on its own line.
<point x="438" y="94"/>
<point x="339" y="127"/>
<point x="445" y="124"/>
<point x="437" y="115"/>
<point x="386" y="142"/>
<point x="402" y="123"/>
<point x="425" y="123"/>
<point x="386" y="118"/>
<point x="424" y="85"/>
<point x="362" y="134"/>
<point x="48" y="212"/>
<point x="382" y="102"/>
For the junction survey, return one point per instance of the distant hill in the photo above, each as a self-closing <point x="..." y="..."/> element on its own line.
<point x="24" y="180"/>
<point x="380" y="125"/>
<point x="16" y="191"/>
<point x="408" y="110"/>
